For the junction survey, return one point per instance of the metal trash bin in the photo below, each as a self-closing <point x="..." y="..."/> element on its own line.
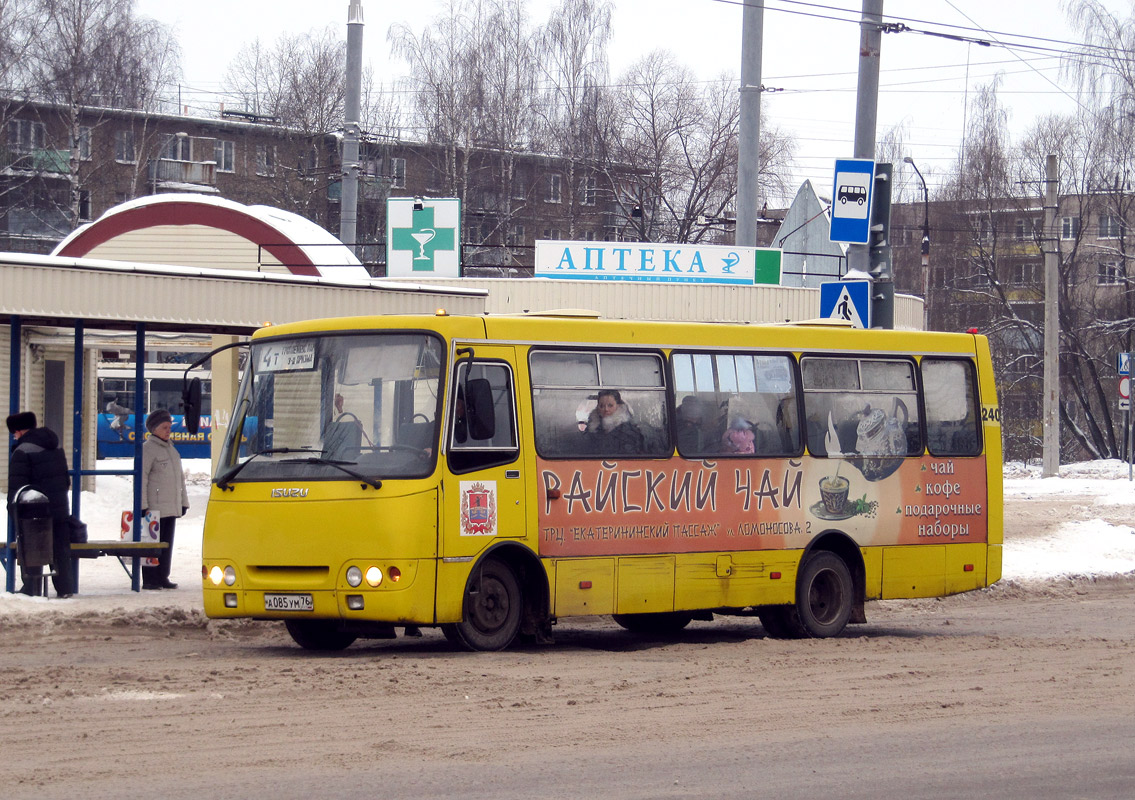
<point x="34" y="534"/>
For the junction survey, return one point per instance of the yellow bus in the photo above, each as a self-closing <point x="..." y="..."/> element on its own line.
<point x="492" y="475"/>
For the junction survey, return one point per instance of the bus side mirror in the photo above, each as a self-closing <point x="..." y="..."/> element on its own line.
<point x="479" y="411"/>
<point x="191" y="400"/>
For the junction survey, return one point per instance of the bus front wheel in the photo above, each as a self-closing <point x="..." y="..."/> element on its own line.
<point x="314" y="634"/>
<point x="493" y="606"/>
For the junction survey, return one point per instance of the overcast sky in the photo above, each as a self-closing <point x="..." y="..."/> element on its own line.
<point x="812" y="59"/>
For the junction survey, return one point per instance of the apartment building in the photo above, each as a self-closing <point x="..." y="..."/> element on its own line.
<point x="61" y="167"/>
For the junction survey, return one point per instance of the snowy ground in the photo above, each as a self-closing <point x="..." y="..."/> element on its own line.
<point x="1084" y="544"/>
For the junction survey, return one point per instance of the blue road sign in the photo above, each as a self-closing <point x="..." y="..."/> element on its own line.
<point x="851" y="200"/>
<point x="1123" y="363"/>
<point x="846" y="300"/>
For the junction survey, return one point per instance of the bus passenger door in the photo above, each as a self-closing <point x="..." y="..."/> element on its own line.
<point x="484" y="492"/>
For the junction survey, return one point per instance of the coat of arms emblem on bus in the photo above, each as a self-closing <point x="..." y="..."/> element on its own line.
<point x="478" y="508"/>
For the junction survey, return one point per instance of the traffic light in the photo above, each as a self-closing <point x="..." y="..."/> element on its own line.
<point x="879" y="251"/>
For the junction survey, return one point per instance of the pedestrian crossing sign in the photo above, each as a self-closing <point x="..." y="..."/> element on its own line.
<point x="849" y="301"/>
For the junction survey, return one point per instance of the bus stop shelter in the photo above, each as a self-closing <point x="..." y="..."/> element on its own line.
<point x="78" y="296"/>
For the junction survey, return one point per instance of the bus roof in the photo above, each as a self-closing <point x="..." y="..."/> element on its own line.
<point x="567" y="329"/>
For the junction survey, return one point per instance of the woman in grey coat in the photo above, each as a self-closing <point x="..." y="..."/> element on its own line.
<point x="163" y="493"/>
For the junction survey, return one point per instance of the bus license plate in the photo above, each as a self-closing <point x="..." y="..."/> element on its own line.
<point x="288" y="602"/>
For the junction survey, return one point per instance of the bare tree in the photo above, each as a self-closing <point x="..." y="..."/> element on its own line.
<point x="98" y="53"/>
<point x="86" y="54"/>
<point x="680" y="138"/>
<point x="573" y="58"/>
<point x="20" y="30"/>
<point x="473" y="86"/>
<point x="299" y="80"/>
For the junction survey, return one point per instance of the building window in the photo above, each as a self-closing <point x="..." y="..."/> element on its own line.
<point x="1029" y="312"/>
<point x="519" y="187"/>
<point x="265" y="160"/>
<point x="1109" y="273"/>
<point x="516" y="236"/>
<point x="84" y="204"/>
<point x="554" y="189"/>
<point x="436" y="179"/>
<point x="178" y="147"/>
<point x="83" y="143"/>
<point x="124" y="152"/>
<point x="1110" y="226"/>
<point x="587" y="191"/>
<point x="25" y="135"/>
<point x="308" y="163"/>
<point x="1069" y="227"/>
<point x="397" y="173"/>
<point x="1025" y="274"/>
<point x="1022" y="230"/>
<point x="224" y="153"/>
<point x="552" y="234"/>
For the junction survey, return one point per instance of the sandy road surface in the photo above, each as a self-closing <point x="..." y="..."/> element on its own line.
<point x="1016" y="691"/>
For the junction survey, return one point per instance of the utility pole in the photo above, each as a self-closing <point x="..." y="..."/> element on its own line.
<point x="1050" y="467"/>
<point x="866" y="113"/>
<point x="349" y="185"/>
<point x="749" y="132"/>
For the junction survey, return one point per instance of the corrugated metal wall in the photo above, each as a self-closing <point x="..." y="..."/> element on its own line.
<point x="207" y="298"/>
<point x="654" y="301"/>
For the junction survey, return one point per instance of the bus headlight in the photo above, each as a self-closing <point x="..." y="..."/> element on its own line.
<point x="230" y="576"/>
<point x="374" y="576"/>
<point x="354" y="576"/>
<point x="216" y="575"/>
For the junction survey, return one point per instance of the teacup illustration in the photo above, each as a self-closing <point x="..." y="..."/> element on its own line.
<point x="833" y="492"/>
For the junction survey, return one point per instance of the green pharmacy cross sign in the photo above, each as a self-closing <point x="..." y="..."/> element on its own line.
<point x="422" y="239"/>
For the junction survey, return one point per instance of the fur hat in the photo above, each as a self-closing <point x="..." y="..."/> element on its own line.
<point x="156" y="418"/>
<point x="24" y="421"/>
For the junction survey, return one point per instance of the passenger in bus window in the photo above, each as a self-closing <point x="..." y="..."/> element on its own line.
<point x="739" y="437"/>
<point x="690" y="417"/>
<point x="611" y="428"/>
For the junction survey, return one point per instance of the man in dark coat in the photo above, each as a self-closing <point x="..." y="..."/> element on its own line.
<point x="39" y="462"/>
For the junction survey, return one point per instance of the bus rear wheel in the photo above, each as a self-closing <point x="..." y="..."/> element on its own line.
<point x="316" y="634"/>
<point x="824" y="599"/>
<point x="493" y="606"/>
<point x="654" y="624"/>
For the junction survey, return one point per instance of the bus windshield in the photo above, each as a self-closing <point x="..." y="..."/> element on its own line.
<point x="308" y="407"/>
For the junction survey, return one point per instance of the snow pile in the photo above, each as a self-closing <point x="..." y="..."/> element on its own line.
<point x="1085" y="544"/>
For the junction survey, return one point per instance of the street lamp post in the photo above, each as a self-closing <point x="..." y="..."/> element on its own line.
<point x="925" y="245"/>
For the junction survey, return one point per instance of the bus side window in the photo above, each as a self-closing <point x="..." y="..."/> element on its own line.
<point x="467" y="453"/>
<point x="735" y="404"/>
<point x="952" y="422"/>
<point x="567" y="388"/>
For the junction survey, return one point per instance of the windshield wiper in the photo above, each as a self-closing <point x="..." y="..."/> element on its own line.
<point x="339" y="465"/>
<point x="223" y="481"/>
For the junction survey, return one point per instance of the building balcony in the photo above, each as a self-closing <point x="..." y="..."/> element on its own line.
<point x="49" y="162"/>
<point x="167" y="173"/>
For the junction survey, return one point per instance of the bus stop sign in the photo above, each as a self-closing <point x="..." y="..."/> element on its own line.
<point x="851" y="200"/>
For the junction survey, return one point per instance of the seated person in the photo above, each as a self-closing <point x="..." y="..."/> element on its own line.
<point x="739" y="437"/>
<point x="611" y="428"/>
<point x="690" y="416"/>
